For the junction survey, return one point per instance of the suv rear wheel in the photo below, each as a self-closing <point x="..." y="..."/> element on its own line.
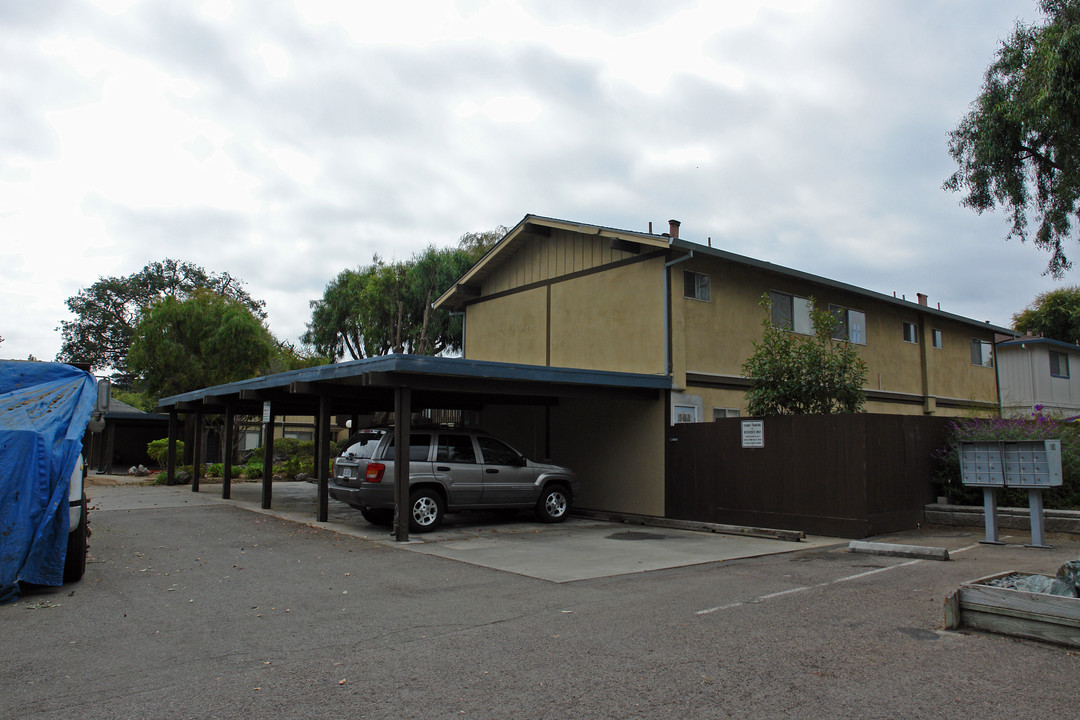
<point x="554" y="504"/>
<point x="425" y="510"/>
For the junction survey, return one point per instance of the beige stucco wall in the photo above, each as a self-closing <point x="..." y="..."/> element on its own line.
<point x="610" y="320"/>
<point x="511" y="328"/>
<point x="717" y="336"/>
<point x="625" y="472"/>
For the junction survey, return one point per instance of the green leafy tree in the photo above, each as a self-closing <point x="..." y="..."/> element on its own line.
<point x="794" y="374"/>
<point x="386" y="308"/>
<point x="206" y="339"/>
<point x="476" y="244"/>
<point x="1019" y="146"/>
<point x="1054" y="314"/>
<point x="107" y="312"/>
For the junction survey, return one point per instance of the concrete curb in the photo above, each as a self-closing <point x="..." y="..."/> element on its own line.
<point x="921" y="552"/>
<point x="1066" y="521"/>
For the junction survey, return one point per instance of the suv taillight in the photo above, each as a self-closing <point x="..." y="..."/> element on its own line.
<point x="374" y="472"/>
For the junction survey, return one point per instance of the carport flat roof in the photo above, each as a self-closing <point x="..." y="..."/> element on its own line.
<point x="435" y="380"/>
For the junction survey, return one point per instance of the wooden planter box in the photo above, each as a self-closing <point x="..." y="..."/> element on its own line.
<point x="1036" y="616"/>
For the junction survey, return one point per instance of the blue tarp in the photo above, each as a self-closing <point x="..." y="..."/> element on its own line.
<point x="44" y="408"/>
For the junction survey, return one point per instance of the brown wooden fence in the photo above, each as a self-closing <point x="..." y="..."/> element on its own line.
<point x="838" y="475"/>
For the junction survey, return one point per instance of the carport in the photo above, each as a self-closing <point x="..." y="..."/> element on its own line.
<point x="402" y="384"/>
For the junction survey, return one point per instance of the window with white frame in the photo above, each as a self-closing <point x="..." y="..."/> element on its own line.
<point x="935" y="338"/>
<point x="1059" y="364"/>
<point x="696" y="286"/>
<point x="791" y="312"/>
<point x="982" y="353"/>
<point x="911" y="333"/>
<point x="718" y="413"/>
<point x="685" y="414"/>
<point x="849" y="324"/>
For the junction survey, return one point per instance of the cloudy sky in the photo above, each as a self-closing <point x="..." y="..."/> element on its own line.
<point x="285" y="141"/>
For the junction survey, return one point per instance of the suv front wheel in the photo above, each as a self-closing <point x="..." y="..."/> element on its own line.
<point x="554" y="504"/>
<point x="425" y="510"/>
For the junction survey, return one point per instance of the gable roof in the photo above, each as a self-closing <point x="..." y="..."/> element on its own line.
<point x="468" y="286"/>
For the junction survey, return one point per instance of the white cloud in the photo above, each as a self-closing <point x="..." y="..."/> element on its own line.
<point x="282" y="143"/>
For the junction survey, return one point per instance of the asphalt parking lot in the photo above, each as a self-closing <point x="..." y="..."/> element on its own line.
<point x="577" y="549"/>
<point x="193" y="607"/>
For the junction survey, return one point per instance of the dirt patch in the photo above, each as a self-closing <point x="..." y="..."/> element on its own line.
<point x="114" y="480"/>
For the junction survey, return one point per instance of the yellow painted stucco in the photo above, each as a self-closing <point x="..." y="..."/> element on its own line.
<point x="715" y="338"/>
<point x="610" y="320"/>
<point x="601" y="321"/>
<point x="625" y="476"/>
<point x="511" y="328"/>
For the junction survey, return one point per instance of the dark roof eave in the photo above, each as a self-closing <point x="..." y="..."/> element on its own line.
<point x="428" y="365"/>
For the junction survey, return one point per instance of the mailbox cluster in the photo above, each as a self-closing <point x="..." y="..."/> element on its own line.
<point x="1019" y="464"/>
<point x="1030" y="464"/>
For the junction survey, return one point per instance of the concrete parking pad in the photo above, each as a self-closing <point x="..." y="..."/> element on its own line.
<point x="577" y="549"/>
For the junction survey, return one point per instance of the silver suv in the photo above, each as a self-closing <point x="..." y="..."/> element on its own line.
<point x="449" y="470"/>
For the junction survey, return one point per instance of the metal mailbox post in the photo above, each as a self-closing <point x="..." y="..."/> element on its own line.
<point x="1030" y="464"/>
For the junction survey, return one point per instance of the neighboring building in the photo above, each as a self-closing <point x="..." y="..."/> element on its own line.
<point x="567" y="294"/>
<point x="1038" y="371"/>
<point x="564" y="294"/>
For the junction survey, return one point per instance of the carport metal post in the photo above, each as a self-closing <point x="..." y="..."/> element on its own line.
<point x="170" y="460"/>
<point x="196" y="453"/>
<point x="268" y="455"/>
<point x="226" y="479"/>
<point x="322" y="457"/>
<point x="402" y="430"/>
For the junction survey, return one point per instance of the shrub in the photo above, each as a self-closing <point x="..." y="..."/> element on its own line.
<point x="253" y="470"/>
<point x="215" y="469"/>
<point x="1036" y="427"/>
<point x="293" y="466"/>
<point x="158" y="450"/>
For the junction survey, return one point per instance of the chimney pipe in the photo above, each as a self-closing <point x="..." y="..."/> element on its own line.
<point x="922" y="298"/>
<point x="650" y="227"/>
<point x="673" y="228"/>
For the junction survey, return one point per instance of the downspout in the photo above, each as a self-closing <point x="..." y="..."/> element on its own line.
<point x="667" y="310"/>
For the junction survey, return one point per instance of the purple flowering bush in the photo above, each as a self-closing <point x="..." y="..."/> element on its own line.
<point x="998" y="429"/>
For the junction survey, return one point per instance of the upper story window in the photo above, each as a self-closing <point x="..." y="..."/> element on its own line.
<point x="791" y="312"/>
<point x="911" y="333"/>
<point x="696" y="286"/>
<point x="850" y="324"/>
<point x="1059" y="364"/>
<point x="935" y="336"/>
<point x="982" y="353"/>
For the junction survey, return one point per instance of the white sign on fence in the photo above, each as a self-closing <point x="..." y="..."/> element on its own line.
<point x="266" y="411"/>
<point x="753" y="433"/>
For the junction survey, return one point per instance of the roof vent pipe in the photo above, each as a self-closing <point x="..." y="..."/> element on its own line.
<point x="673" y="228"/>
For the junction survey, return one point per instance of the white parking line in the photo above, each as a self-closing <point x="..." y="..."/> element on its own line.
<point x="709" y="611"/>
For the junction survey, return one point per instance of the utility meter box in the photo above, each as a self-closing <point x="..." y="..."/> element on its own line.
<point x="981" y="464"/>
<point x="1018" y="464"/>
